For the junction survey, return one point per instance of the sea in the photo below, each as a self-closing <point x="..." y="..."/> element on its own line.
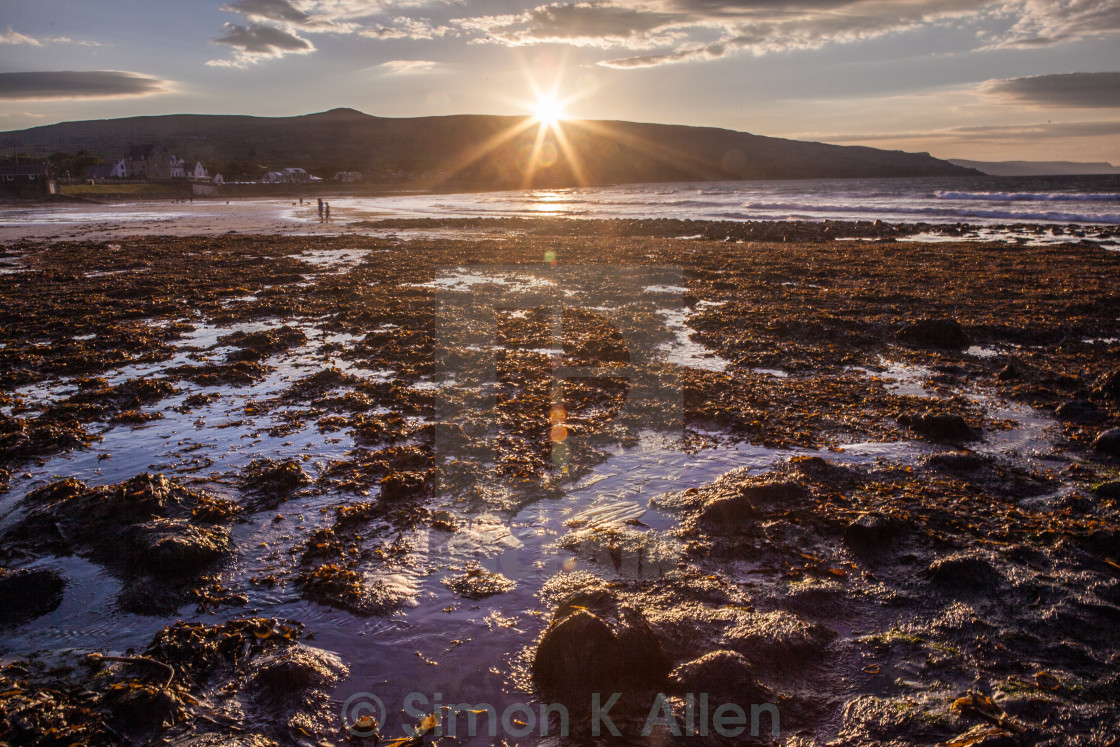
<point x="1026" y="210"/>
<point x="982" y="201"/>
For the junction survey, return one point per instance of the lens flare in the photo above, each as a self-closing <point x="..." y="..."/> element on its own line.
<point x="548" y="110"/>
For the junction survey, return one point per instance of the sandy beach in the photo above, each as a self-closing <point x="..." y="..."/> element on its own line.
<point x="871" y="484"/>
<point x="77" y="221"/>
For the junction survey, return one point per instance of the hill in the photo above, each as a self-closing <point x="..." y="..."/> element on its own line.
<point x="481" y="150"/>
<point x="1037" y="168"/>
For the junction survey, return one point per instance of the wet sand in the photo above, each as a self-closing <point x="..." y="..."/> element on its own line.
<point x="860" y="482"/>
<point x="203" y="217"/>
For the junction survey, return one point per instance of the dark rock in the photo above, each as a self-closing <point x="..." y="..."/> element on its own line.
<point x="779" y="639"/>
<point x="939" y="428"/>
<point x="90" y="512"/>
<point x="284" y="677"/>
<point x="945" y="334"/>
<point x="1107" y="386"/>
<point x="173" y="547"/>
<point x="155" y="534"/>
<point x="1080" y="411"/>
<point x="1102" y="541"/>
<point x="1108" y="490"/>
<point x="142" y="708"/>
<point x="580" y="652"/>
<point x="584" y="652"/>
<point x="964" y="572"/>
<point x="726" y="676"/>
<point x="874" y="720"/>
<point x="1009" y="373"/>
<point x="1108" y="442"/>
<point x="751" y="502"/>
<point x="821" y="471"/>
<point x="28" y="593"/>
<point x="958" y="463"/>
<point x="873" y="531"/>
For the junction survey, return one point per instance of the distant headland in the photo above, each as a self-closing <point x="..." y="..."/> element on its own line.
<point x="470" y="151"/>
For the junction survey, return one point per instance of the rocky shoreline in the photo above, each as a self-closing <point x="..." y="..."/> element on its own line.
<point x="909" y="532"/>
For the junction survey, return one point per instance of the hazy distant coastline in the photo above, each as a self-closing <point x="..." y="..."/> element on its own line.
<point x="1038" y="168"/>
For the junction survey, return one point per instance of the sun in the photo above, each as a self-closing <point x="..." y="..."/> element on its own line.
<point x="548" y="110"/>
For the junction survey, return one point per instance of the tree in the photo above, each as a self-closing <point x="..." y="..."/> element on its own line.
<point x="74" y="165"/>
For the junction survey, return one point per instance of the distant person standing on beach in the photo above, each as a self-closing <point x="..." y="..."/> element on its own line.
<point x="320" y="201"/>
<point x="327" y="208"/>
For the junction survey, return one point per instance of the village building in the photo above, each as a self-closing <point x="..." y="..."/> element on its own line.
<point x="27" y="179"/>
<point x="290" y="175"/>
<point x="198" y="172"/>
<point x="348" y="176"/>
<point x="178" y="168"/>
<point x="148" y="162"/>
<point x="295" y="175"/>
<point x="114" y="170"/>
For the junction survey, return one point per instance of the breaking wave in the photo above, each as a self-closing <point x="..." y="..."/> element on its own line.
<point x="1028" y="196"/>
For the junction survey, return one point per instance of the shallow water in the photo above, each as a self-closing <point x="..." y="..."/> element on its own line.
<point x="982" y="201"/>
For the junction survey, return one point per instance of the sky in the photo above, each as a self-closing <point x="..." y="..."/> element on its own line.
<point x="1025" y="80"/>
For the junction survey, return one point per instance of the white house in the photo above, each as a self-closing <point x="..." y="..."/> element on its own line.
<point x="178" y="168"/>
<point x="198" y="172"/>
<point x="120" y="170"/>
<point x="348" y="176"/>
<point x="290" y="175"/>
<point x="295" y="175"/>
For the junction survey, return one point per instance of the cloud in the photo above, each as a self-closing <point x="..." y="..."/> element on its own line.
<point x="78" y="42"/>
<point x="407" y="67"/>
<point x="87" y="84"/>
<point x="578" y="24"/>
<point x="985" y="133"/>
<point x="690" y="30"/>
<point x="352" y="10"/>
<point x="257" y="42"/>
<point x="677" y="31"/>
<point x="268" y="10"/>
<point x="291" y="15"/>
<point x="765" y="27"/>
<point x="1045" y="22"/>
<point x="338" y="16"/>
<point x="1078" y="90"/>
<point x="651" y="33"/>
<point x="275" y="26"/>
<point x="408" y="28"/>
<point x="15" y="37"/>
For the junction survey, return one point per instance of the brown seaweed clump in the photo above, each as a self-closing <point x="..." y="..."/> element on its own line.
<point x="251" y="677"/>
<point x="157" y="535"/>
